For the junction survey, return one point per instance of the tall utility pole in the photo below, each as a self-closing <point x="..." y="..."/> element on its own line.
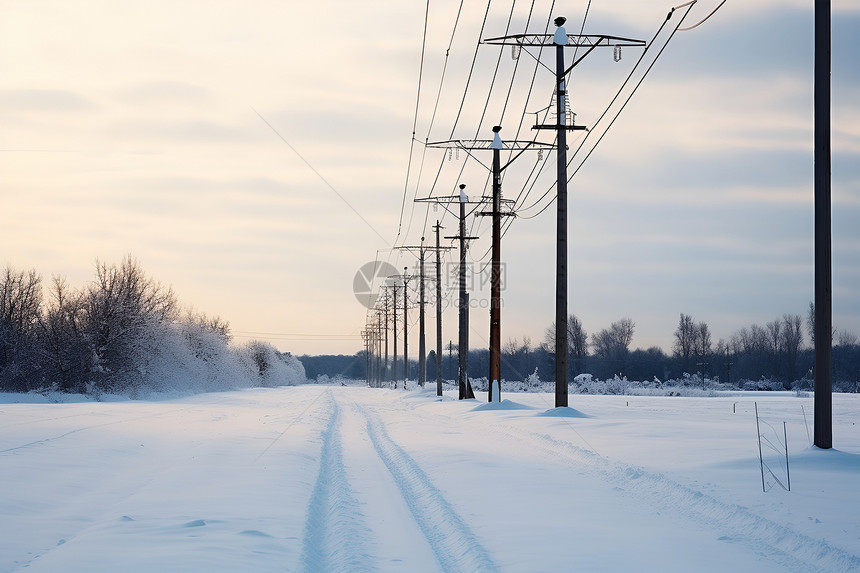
<point x="404" y="278"/>
<point x="377" y="343"/>
<point x="384" y="305"/>
<point x="497" y="146"/>
<point x="422" y="354"/>
<point x="394" y="281"/>
<point x="437" y="227"/>
<point x="496" y="272"/>
<point x="561" y="39"/>
<point x="394" y="330"/>
<point x="405" y="328"/>
<point x="422" y="347"/>
<point x="422" y="301"/>
<point x="465" y="388"/>
<point x="823" y="425"/>
<point x="364" y="337"/>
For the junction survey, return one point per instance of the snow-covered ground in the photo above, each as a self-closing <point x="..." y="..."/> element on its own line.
<point x="318" y="478"/>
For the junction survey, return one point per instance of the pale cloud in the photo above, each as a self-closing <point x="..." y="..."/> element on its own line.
<point x="43" y="101"/>
<point x="144" y="113"/>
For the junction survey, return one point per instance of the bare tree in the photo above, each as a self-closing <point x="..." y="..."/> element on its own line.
<point x="20" y="308"/>
<point x="845" y="338"/>
<point x="613" y="343"/>
<point x="66" y="352"/>
<point x="791" y="343"/>
<point x="703" y="340"/>
<point x="577" y="338"/>
<point x="577" y="342"/>
<point x="685" y="340"/>
<point x="125" y="312"/>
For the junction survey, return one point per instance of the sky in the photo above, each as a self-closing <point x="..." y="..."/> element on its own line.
<point x="255" y="155"/>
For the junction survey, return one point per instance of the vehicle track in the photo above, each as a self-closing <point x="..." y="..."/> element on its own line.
<point x="453" y="543"/>
<point x="782" y="545"/>
<point x="777" y="543"/>
<point x="336" y="537"/>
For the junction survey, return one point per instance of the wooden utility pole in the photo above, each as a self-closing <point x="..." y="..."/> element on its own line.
<point x="496" y="145"/>
<point x="405" y="328"/>
<point x="496" y="273"/>
<point x="465" y="388"/>
<point x="404" y="280"/>
<point x="438" y="227"/>
<point x="560" y="40"/>
<point x="396" y="281"/>
<point x="364" y="337"/>
<point x="823" y="425"/>
<point x="384" y="304"/>
<point x="422" y="348"/>
<point x="422" y="300"/>
<point x="394" y="330"/>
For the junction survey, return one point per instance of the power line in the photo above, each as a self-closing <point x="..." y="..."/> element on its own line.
<point x="609" y="106"/>
<point x="415" y="119"/>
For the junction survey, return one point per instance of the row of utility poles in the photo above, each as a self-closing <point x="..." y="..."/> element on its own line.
<point x="562" y="41"/>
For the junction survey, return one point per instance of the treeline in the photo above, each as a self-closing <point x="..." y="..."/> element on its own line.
<point x="122" y="333"/>
<point x="772" y="356"/>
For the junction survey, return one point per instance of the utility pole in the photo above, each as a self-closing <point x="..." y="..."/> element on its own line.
<point x="384" y="304"/>
<point x="450" y="355"/>
<point x="405" y="278"/>
<point x="823" y="427"/>
<point x="437" y="227"/>
<point x="364" y="337"/>
<point x="394" y="328"/>
<point x="464" y="387"/>
<point x="463" y="302"/>
<point x="405" y="328"/>
<point x="422" y="348"/>
<point x="560" y="40"/>
<point x="422" y="300"/>
<point x="703" y="365"/>
<point x="377" y="366"/>
<point x="422" y="355"/>
<point x="496" y="145"/>
<point x="496" y="273"/>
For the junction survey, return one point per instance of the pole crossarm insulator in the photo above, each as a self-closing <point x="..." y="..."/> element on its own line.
<point x="478" y="144"/>
<point x="588" y="41"/>
<point x="560" y="126"/>
<point x="445" y="199"/>
<point x="482" y="144"/>
<point x="573" y="40"/>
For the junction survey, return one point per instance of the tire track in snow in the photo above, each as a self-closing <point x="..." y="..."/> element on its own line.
<point x="452" y="541"/>
<point x="793" y="550"/>
<point x="736" y="524"/>
<point x="335" y="535"/>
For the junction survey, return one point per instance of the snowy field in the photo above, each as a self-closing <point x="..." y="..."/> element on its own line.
<point x="318" y="478"/>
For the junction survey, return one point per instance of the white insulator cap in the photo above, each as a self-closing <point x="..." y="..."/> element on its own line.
<point x="497" y="141"/>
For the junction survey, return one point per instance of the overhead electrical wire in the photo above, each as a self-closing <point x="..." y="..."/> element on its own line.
<point x="414" y="121"/>
<point x="462" y="103"/>
<point x="688" y="28"/>
<point x="465" y="92"/>
<point x="575" y="155"/>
